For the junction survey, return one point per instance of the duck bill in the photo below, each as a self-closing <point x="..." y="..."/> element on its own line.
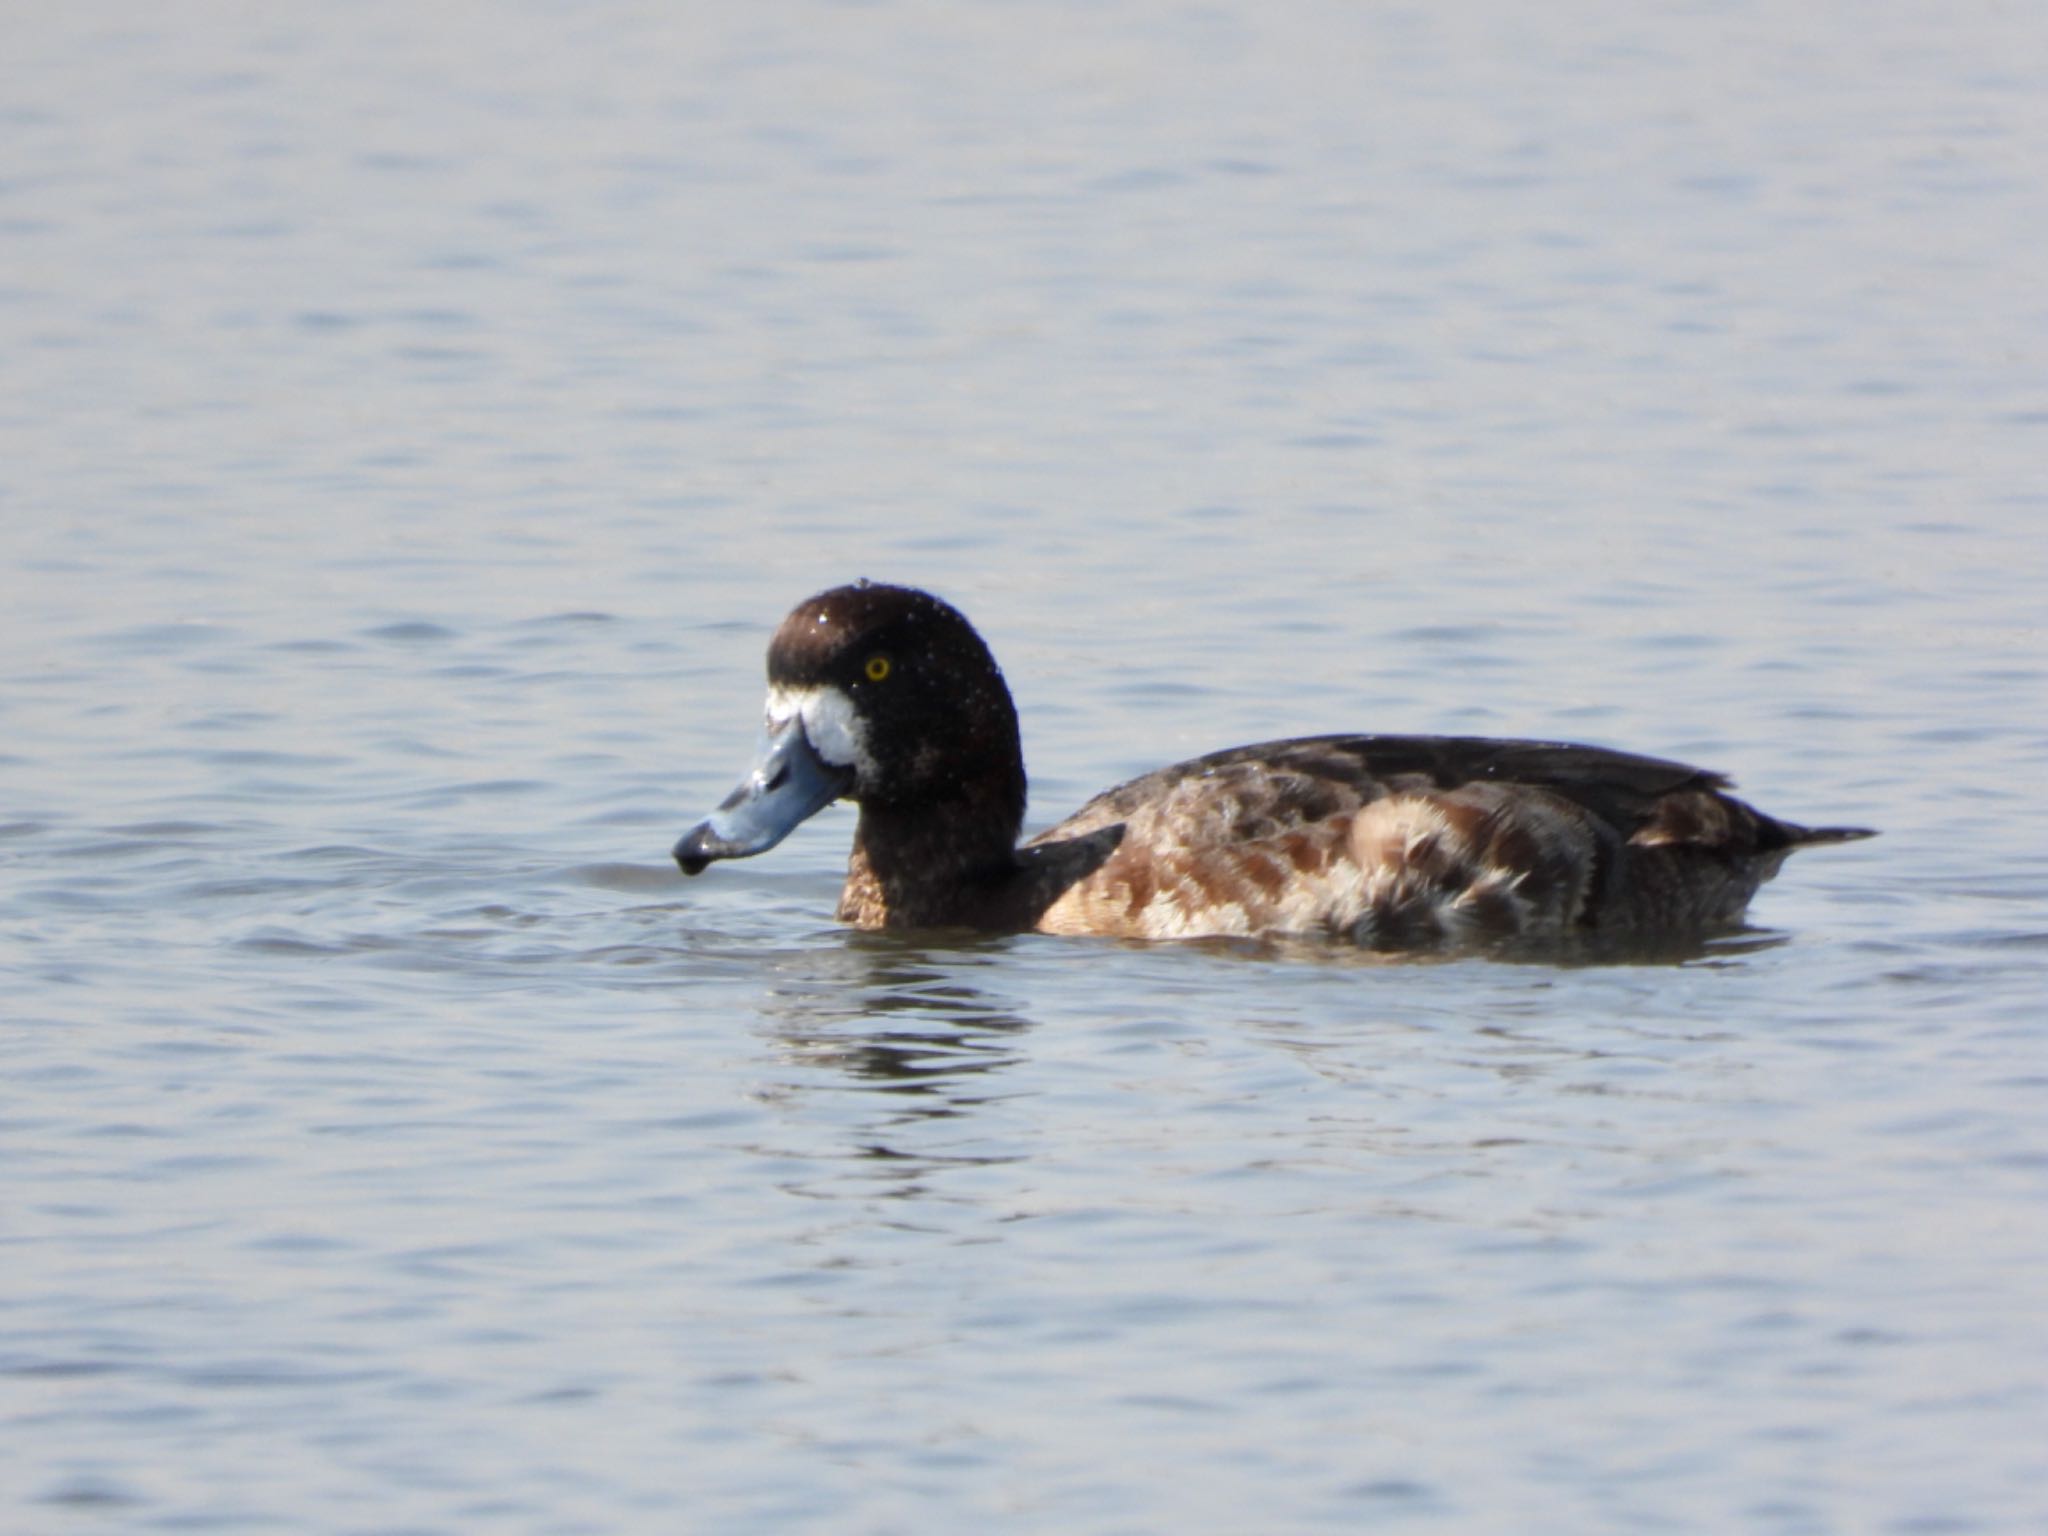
<point x="788" y="784"/>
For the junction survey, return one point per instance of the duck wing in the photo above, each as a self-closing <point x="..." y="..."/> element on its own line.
<point x="1269" y="787"/>
<point x="1401" y="840"/>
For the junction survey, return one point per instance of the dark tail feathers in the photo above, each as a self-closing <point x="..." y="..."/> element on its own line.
<point x="1807" y="837"/>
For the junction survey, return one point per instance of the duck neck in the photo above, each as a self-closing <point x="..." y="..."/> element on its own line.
<point x="942" y="864"/>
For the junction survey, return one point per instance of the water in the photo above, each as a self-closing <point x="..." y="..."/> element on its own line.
<point x="418" y="417"/>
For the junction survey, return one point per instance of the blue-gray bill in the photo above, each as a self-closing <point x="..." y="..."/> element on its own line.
<point x="788" y="783"/>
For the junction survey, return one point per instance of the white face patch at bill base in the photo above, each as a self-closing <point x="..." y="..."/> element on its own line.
<point x="831" y="724"/>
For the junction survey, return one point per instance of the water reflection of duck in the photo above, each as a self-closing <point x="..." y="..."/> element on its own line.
<point x="886" y="696"/>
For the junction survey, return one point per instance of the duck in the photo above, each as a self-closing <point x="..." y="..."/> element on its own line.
<point x="886" y="696"/>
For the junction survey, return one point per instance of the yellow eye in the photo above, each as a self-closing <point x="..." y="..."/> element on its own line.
<point x="877" y="668"/>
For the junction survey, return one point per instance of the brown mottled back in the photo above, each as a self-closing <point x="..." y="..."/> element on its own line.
<point x="1402" y="842"/>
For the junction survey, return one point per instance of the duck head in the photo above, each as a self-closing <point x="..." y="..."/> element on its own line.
<point x="884" y="696"/>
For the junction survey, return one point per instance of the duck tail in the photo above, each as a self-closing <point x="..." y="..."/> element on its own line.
<point x="1807" y="837"/>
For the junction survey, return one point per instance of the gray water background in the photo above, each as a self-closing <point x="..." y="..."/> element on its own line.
<point x="415" y="419"/>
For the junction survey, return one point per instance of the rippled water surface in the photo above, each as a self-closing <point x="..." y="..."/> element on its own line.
<point x="416" y="420"/>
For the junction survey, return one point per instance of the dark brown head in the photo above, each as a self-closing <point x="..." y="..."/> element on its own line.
<point x="881" y="695"/>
